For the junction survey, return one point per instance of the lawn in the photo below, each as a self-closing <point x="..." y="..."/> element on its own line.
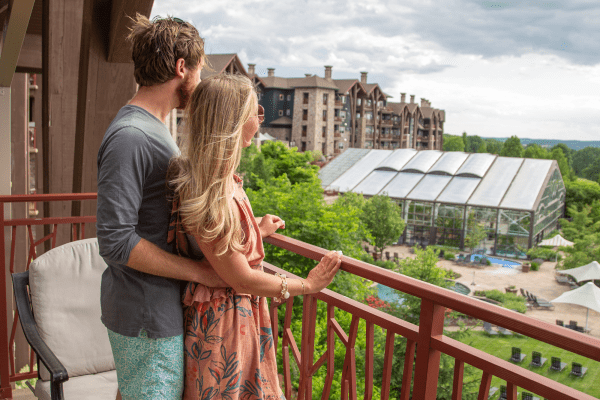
<point x="501" y="348"/>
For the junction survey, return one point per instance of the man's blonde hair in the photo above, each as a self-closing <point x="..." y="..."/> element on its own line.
<point x="158" y="44"/>
<point x="202" y="176"/>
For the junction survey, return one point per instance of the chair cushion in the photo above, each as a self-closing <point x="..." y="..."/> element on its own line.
<point x="65" y="296"/>
<point x="90" y="387"/>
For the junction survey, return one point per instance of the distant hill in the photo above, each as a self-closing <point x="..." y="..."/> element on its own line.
<point x="572" y="144"/>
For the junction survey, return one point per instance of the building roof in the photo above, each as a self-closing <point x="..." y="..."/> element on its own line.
<point x="282" y="121"/>
<point x="275" y="82"/>
<point x="218" y="63"/>
<point x="344" y="85"/>
<point x="482" y="180"/>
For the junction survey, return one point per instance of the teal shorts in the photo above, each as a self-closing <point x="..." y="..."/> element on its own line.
<point x="148" y="369"/>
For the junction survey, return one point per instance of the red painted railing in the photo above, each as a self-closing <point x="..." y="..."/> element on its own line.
<point x="428" y="337"/>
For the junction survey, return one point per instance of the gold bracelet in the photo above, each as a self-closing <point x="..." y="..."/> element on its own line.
<point x="302" y="282"/>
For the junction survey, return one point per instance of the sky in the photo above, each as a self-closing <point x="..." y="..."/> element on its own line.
<point x="498" y="68"/>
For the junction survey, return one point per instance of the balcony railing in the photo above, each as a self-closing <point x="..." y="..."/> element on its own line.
<point x="427" y="337"/>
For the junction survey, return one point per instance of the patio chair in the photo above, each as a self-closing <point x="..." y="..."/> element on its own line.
<point x="387" y="255"/>
<point x="542" y="303"/>
<point x="577" y="369"/>
<point x="556" y="364"/>
<point x="560" y="322"/>
<point x="536" y="359"/>
<point x="572" y="324"/>
<point x="487" y="327"/>
<point x="62" y="290"/>
<point x="502" y="392"/>
<point x="396" y="257"/>
<point x="504" y="331"/>
<point x="580" y="329"/>
<point x="516" y="355"/>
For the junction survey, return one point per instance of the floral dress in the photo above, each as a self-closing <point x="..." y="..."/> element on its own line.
<point x="229" y="352"/>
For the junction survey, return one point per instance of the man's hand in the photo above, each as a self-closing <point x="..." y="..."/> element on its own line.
<point x="150" y="259"/>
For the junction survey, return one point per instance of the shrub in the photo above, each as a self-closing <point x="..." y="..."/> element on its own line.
<point x="448" y="255"/>
<point x="488" y="262"/>
<point x="535" y="266"/>
<point x="544" y="253"/>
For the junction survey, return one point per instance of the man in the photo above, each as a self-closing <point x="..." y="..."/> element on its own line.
<point x="140" y="294"/>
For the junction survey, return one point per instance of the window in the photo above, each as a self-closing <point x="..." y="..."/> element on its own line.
<point x="343" y="99"/>
<point x="342" y="129"/>
<point x="303" y="130"/>
<point x="369" y="115"/>
<point x="305" y="98"/>
<point x="324" y="115"/>
<point x="304" y="115"/>
<point x="325" y="95"/>
<point x="324" y="148"/>
<point x="368" y="103"/>
<point x="280" y="113"/>
<point x="287" y="112"/>
<point x="358" y="101"/>
<point x="289" y="97"/>
<point x="259" y="95"/>
<point x="303" y="146"/>
<point x="343" y="115"/>
<point x="281" y="96"/>
<point x="340" y="145"/>
<point x="324" y="133"/>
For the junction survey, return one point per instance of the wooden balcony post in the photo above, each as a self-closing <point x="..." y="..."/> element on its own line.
<point x="431" y="323"/>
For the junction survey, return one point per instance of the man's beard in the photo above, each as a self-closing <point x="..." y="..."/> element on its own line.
<point x="185" y="92"/>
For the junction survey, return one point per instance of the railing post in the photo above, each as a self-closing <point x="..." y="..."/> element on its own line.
<point x="5" y="388"/>
<point x="431" y="323"/>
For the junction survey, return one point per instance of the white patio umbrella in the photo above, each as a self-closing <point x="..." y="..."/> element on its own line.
<point x="588" y="272"/>
<point x="556" y="241"/>
<point x="587" y="295"/>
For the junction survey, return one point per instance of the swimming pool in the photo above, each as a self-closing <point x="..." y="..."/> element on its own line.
<point x="499" y="261"/>
<point x="387" y="294"/>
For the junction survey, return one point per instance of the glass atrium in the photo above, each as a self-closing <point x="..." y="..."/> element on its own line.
<point x="445" y="194"/>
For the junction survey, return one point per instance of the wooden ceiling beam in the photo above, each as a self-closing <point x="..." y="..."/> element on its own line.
<point x="119" y="50"/>
<point x="18" y="17"/>
<point x="30" y="58"/>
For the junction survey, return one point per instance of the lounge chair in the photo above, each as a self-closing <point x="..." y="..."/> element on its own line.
<point x="516" y="355"/>
<point x="560" y="322"/>
<point x="536" y="359"/>
<point x="487" y="327"/>
<point x="542" y="303"/>
<point x="556" y="364"/>
<point x="572" y="324"/>
<point x="578" y="370"/>
<point x="502" y="392"/>
<point x="504" y="331"/>
<point x="562" y="279"/>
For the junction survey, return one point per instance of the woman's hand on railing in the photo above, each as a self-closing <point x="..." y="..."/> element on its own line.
<point x="269" y="224"/>
<point x="322" y="275"/>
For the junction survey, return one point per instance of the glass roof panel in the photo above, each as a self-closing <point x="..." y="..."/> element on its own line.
<point x="422" y="161"/>
<point x="477" y="165"/>
<point x="340" y="164"/>
<point x="449" y="163"/>
<point x="402" y="184"/>
<point x="397" y="159"/>
<point x="527" y="184"/>
<point x="458" y="190"/>
<point x="429" y="188"/>
<point x="373" y="183"/>
<point x="356" y="173"/>
<point x="495" y="183"/>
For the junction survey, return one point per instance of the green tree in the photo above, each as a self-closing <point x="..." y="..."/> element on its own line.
<point x="453" y="143"/>
<point x="493" y="146"/>
<point x="482" y="147"/>
<point x="383" y="220"/>
<point x="580" y="192"/>
<point x="567" y="151"/>
<point x="473" y="144"/>
<point x="475" y="233"/>
<point x="563" y="163"/>
<point x="535" y="151"/>
<point x="465" y="140"/>
<point x="512" y="148"/>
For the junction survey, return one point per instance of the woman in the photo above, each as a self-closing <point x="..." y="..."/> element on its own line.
<point x="229" y="349"/>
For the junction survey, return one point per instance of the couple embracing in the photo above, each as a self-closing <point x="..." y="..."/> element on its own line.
<point x="184" y="294"/>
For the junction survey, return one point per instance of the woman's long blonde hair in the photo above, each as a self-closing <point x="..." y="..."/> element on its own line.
<point x="202" y="176"/>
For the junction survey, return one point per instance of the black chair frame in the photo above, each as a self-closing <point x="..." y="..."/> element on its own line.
<point x="58" y="373"/>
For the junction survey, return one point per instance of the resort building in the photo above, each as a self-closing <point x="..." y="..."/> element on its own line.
<point x="444" y="194"/>
<point x="331" y="115"/>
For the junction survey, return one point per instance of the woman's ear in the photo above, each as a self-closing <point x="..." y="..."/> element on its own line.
<point x="180" y="68"/>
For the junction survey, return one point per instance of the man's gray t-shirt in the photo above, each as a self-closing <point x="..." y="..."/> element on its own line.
<point x="132" y="204"/>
